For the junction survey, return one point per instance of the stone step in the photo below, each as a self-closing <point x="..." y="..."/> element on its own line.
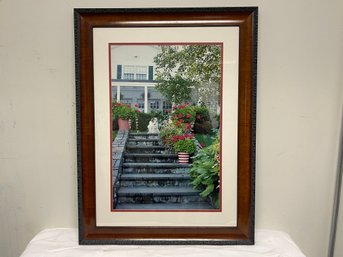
<point x="158" y="168"/>
<point x="154" y="165"/>
<point x="138" y="140"/>
<point x="146" y="149"/>
<point x="158" y="195"/>
<point x="150" y="157"/>
<point x="143" y="134"/>
<point x="144" y="142"/>
<point x="155" y="180"/>
<point x="165" y="206"/>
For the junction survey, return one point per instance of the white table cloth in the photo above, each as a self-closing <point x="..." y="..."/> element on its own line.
<point x="63" y="242"/>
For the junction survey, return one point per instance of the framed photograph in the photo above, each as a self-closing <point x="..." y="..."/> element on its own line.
<point x="166" y="117"/>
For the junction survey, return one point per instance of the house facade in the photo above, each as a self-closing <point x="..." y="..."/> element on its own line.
<point x="133" y="77"/>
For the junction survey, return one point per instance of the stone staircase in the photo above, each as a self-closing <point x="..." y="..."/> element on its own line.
<point x="152" y="178"/>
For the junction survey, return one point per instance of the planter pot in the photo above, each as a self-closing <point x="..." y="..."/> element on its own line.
<point x="183" y="157"/>
<point x="123" y="124"/>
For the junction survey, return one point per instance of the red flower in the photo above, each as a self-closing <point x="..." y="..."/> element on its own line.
<point x="179" y="115"/>
<point x="136" y="105"/>
<point x="181" y="120"/>
<point x="188" y="115"/>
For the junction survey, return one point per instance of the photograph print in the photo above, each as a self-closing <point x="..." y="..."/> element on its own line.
<point x="166" y="126"/>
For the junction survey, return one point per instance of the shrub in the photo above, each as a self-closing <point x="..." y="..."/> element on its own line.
<point x="143" y="121"/>
<point x="202" y="114"/>
<point x="202" y="128"/>
<point x="202" y="123"/>
<point x="205" y="139"/>
<point x="205" y="172"/>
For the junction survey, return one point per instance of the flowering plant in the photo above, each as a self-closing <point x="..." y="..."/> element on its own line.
<point x="184" y="143"/>
<point x="183" y="114"/>
<point x="123" y="111"/>
<point x="168" y="131"/>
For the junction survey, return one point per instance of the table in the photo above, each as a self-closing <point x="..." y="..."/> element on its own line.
<point x="63" y="242"/>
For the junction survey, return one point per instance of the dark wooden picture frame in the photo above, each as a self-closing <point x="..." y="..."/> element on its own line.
<point x="244" y="18"/>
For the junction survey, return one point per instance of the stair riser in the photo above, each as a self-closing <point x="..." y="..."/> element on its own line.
<point x="150" y="160"/>
<point x="155" y="183"/>
<point x="153" y="143"/>
<point x="146" y="150"/>
<point x="156" y="170"/>
<point x="159" y="199"/>
<point x="144" y="136"/>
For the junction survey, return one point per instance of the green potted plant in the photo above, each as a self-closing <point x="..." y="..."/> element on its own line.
<point x="184" y="145"/>
<point x="123" y="112"/>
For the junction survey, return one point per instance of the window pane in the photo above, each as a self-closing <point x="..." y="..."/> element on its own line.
<point x="140" y="76"/>
<point x="167" y="107"/>
<point x="129" y="76"/>
<point x="129" y="72"/>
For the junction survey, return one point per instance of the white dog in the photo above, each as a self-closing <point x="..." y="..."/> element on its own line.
<point x="153" y="126"/>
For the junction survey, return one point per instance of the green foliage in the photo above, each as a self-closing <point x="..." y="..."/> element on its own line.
<point x="143" y="121"/>
<point x="176" y="90"/>
<point x="205" y="172"/>
<point x="197" y="63"/>
<point x="202" y="128"/>
<point x="159" y="115"/>
<point x="204" y="139"/>
<point x="181" y="68"/>
<point x="217" y="117"/>
<point x="202" y="123"/>
<point x="202" y="113"/>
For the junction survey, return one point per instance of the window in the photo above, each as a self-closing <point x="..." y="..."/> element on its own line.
<point x="132" y="72"/>
<point x="155" y="105"/>
<point x="141" y="73"/>
<point x="166" y="107"/>
<point x="129" y="72"/>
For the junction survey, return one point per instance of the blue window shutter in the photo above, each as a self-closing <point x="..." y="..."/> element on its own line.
<point x="119" y="69"/>
<point x="151" y="73"/>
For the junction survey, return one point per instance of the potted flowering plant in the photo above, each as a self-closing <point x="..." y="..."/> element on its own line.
<point x="123" y="112"/>
<point x="184" y="145"/>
